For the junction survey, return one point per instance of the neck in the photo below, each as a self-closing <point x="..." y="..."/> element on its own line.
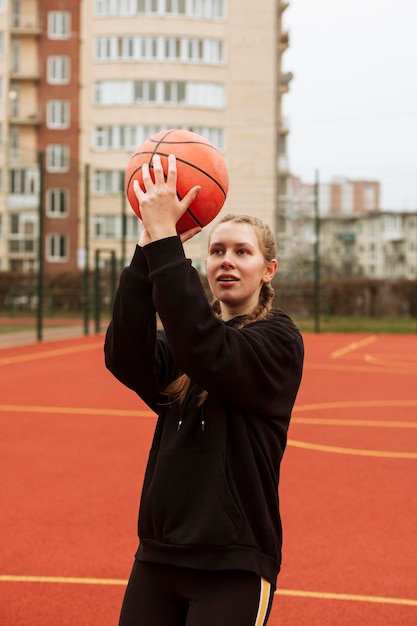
<point x="228" y="313"/>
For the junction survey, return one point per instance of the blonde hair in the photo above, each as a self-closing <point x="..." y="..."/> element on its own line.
<point x="178" y="388"/>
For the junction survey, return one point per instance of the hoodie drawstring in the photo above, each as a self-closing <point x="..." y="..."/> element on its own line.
<point x="203" y="420"/>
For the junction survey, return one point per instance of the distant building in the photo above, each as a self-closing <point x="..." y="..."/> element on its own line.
<point x="340" y="196"/>
<point x="356" y="238"/>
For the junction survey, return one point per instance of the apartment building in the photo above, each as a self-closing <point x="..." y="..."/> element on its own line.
<point x="83" y="83"/>
<point x="380" y="244"/>
<point x="339" y="196"/>
<point x="356" y="238"/>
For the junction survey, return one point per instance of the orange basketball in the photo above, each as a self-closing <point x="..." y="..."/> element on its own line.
<point x="199" y="162"/>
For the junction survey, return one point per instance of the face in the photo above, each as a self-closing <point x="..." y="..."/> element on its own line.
<point x="236" y="268"/>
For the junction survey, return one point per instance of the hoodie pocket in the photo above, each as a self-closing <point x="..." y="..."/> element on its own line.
<point x="186" y="501"/>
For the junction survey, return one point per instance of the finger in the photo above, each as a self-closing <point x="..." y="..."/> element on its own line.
<point x="191" y="232"/>
<point x="146" y="177"/>
<point x="190" y="196"/>
<point x="172" y="170"/>
<point x="158" y="171"/>
<point x="137" y="188"/>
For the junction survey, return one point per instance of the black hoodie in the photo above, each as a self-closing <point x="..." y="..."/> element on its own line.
<point x="210" y="494"/>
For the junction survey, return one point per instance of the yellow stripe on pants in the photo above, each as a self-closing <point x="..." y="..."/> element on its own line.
<point x="263" y="602"/>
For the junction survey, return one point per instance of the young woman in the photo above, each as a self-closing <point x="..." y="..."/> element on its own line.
<point x="222" y="379"/>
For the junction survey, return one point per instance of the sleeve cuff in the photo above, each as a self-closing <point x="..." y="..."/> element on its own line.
<point x="138" y="256"/>
<point x="163" y="252"/>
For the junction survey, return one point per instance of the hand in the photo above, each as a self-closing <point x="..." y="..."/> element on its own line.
<point x="160" y="206"/>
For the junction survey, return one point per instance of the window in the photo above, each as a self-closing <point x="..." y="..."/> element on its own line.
<point x="24" y="181"/>
<point x="132" y="227"/>
<point x="189" y="94"/>
<point x="114" y="92"/>
<point x="150" y="48"/>
<point x="59" y="24"/>
<point x="104" y="227"/>
<point x="107" y="182"/>
<point x="129" y="137"/>
<point x="57" y="204"/>
<point x="58" y="114"/>
<point x="207" y="9"/>
<point x="14" y="99"/>
<point x="58" y="68"/>
<point x="116" y="137"/>
<point x="14" y="143"/>
<point x="15" y="56"/>
<point x="57" y="158"/>
<point x="110" y="227"/>
<point x="56" y="248"/>
<point x="22" y="232"/>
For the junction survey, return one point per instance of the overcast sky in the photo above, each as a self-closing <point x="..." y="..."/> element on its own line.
<point x="352" y="105"/>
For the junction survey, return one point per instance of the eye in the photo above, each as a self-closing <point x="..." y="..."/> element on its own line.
<point x="243" y="251"/>
<point x="216" y="251"/>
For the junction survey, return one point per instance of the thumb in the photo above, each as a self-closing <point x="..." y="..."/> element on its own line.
<point x="190" y="196"/>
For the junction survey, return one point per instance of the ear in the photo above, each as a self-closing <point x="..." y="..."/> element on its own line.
<point x="270" y="271"/>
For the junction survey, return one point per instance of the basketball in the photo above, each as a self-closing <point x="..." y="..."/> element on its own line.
<point x="199" y="162"/>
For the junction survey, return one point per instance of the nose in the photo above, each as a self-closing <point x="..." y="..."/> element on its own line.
<point x="226" y="261"/>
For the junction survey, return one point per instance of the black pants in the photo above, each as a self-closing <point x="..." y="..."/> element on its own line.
<point x="161" y="595"/>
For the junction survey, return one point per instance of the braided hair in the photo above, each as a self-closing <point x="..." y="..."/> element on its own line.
<point x="177" y="389"/>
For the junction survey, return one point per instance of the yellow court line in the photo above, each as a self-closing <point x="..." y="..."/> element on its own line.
<point x="366" y="368"/>
<point x="384" y="454"/>
<point x="65" y="410"/>
<point x="64" y="580"/>
<point x="395" y="357"/>
<point x="352" y="404"/>
<point x="35" y="356"/>
<point x="320" y="595"/>
<point x="384" y="362"/>
<point x="318" y="421"/>
<point x="353" y="346"/>
<point x="317" y="595"/>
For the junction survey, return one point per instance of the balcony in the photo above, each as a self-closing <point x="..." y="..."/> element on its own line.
<point x="20" y="245"/>
<point x="393" y="234"/>
<point x="284" y="42"/>
<point x="25" y="25"/>
<point x="393" y="228"/>
<point x="34" y="119"/>
<point x="28" y="74"/>
<point x="284" y="81"/>
<point x="23" y="201"/>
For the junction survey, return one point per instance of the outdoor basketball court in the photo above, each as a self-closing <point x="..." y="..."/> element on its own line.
<point x="73" y="448"/>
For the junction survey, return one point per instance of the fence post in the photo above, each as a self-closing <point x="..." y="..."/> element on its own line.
<point x="316" y="256"/>
<point x="87" y="249"/>
<point x="40" y="282"/>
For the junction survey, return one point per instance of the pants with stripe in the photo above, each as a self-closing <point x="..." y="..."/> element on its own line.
<point x="161" y="595"/>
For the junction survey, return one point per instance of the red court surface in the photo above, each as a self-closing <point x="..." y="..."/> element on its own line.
<point x="73" y="448"/>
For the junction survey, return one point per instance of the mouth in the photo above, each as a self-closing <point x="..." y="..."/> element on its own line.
<point x="226" y="278"/>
